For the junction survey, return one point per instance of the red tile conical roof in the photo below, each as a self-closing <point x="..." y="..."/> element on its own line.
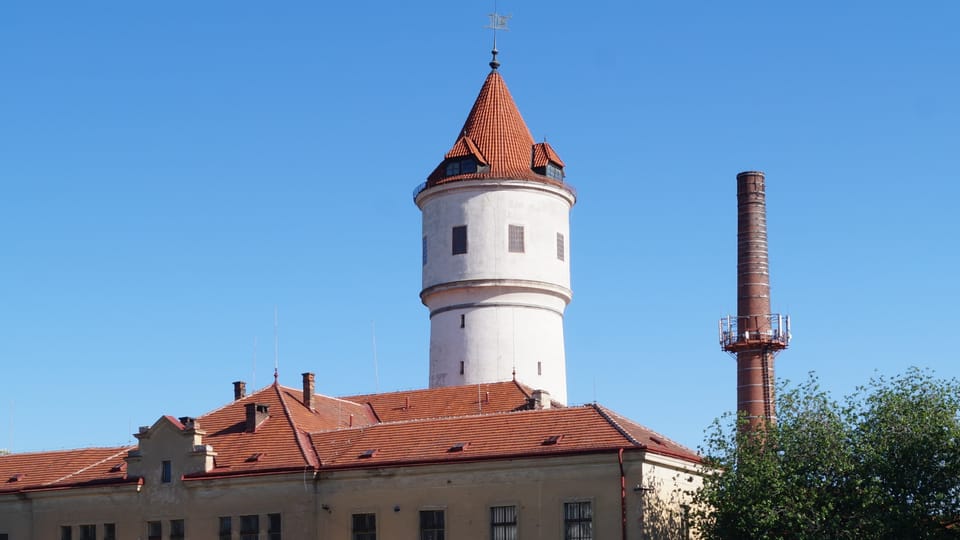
<point x="497" y="137"/>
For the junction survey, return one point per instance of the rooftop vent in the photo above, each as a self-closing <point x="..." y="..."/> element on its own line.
<point x="16" y="477"/>
<point x="254" y="457"/>
<point x="459" y="447"/>
<point x="552" y="440"/>
<point x="657" y="440"/>
<point x="189" y="422"/>
<point x="118" y="467"/>
<point x="367" y="454"/>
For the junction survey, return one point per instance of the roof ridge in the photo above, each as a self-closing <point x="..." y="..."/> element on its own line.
<point x="88" y="467"/>
<point x="310" y="459"/>
<point x="63" y="450"/>
<point x="652" y="431"/>
<point x="455" y="417"/>
<point x="603" y="413"/>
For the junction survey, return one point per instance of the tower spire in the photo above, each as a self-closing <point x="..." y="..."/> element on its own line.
<point x="497" y="22"/>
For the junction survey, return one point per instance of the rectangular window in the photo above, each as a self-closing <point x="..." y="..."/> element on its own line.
<point x="459" y="239"/>
<point x="423" y="251"/>
<point x="578" y="521"/>
<point x="176" y="529"/>
<point x="109" y="531"/>
<point x="249" y="527"/>
<point x="461" y="367"/>
<point x="503" y="523"/>
<point x="66" y="532"/>
<point x="516" y="238"/>
<point x="154" y="531"/>
<point x="364" y="527"/>
<point x="226" y="528"/>
<point x="560" y="250"/>
<point x="274" y="526"/>
<point x="166" y="473"/>
<point x="88" y="532"/>
<point x="3" y="536"/>
<point x="431" y="525"/>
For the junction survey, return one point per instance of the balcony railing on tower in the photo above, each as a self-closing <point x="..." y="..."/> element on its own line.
<point x="771" y="332"/>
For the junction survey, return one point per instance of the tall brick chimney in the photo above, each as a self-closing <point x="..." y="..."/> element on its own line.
<point x="256" y="413"/>
<point x="239" y="390"/>
<point x="308" y="385"/>
<point x="755" y="335"/>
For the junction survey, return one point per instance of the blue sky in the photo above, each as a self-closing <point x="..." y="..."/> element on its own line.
<point x="172" y="171"/>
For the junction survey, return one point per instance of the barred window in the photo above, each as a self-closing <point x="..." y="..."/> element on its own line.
<point x="503" y="523"/>
<point x="226" y="528"/>
<point x="364" y="527"/>
<point x="431" y="525"/>
<point x="154" y="531"/>
<point x="560" y="247"/>
<point x="516" y="238"/>
<point x="166" y="471"/>
<point x="250" y="527"/>
<point x="109" y="531"/>
<point x="459" y="239"/>
<point x="578" y="521"/>
<point x="274" y="526"/>
<point x="176" y="529"/>
<point x="88" y="532"/>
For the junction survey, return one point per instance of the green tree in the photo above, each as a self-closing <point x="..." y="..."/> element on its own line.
<point x="885" y="464"/>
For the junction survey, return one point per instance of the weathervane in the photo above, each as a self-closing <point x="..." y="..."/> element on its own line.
<point x="497" y="22"/>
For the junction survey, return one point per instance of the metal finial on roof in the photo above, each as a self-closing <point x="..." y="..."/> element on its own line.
<point x="497" y="22"/>
<point x="494" y="64"/>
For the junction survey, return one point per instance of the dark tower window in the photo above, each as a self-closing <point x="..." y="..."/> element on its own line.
<point x="461" y="166"/>
<point x="554" y="172"/>
<point x="516" y="238"/>
<point x="463" y="320"/>
<point x="166" y="471"/>
<point x="424" y="251"/>
<point x="459" y="239"/>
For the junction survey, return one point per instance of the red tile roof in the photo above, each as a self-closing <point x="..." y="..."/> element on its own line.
<point x="447" y="401"/>
<point x="62" y="468"/>
<point x="585" y="429"/>
<point x="496" y="135"/>
<point x="495" y="421"/>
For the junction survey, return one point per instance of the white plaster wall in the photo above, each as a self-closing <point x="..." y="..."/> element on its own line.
<point x="488" y="208"/>
<point x="512" y="303"/>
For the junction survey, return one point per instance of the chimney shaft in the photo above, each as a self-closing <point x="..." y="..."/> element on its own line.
<point x="755" y="379"/>
<point x="308" y="387"/>
<point x="256" y="413"/>
<point x="239" y="390"/>
<point x="541" y="399"/>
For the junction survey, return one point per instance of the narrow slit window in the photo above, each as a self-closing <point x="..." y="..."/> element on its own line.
<point x="461" y="367"/>
<point x="539" y="367"/>
<point x="560" y="247"/>
<point x="166" y="471"/>
<point x="424" y="251"/>
<point x="516" y="238"/>
<point x="459" y="239"/>
<point x="463" y="320"/>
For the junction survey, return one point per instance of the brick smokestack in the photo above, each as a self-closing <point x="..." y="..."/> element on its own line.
<point x="756" y="335"/>
<point x="308" y="386"/>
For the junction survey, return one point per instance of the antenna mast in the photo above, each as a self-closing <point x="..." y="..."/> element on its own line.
<point x="276" y="344"/>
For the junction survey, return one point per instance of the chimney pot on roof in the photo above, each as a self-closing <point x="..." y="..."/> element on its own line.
<point x="256" y="414"/>
<point x="239" y="390"/>
<point x="541" y="399"/>
<point x="308" y="386"/>
<point x="189" y="422"/>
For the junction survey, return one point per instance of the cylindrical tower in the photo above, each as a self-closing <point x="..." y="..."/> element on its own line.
<point x="756" y="335"/>
<point x="496" y="241"/>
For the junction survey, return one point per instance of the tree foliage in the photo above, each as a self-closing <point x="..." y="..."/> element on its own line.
<point x="884" y="464"/>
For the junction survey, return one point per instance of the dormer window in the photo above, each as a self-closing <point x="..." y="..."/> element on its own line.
<point x="465" y="165"/>
<point x="554" y="172"/>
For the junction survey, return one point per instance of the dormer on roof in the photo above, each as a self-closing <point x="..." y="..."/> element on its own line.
<point x="495" y="143"/>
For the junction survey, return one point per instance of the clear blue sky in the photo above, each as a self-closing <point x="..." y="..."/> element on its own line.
<point x="171" y="171"/>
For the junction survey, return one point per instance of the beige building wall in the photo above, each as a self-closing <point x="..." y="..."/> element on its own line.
<point x="321" y="506"/>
